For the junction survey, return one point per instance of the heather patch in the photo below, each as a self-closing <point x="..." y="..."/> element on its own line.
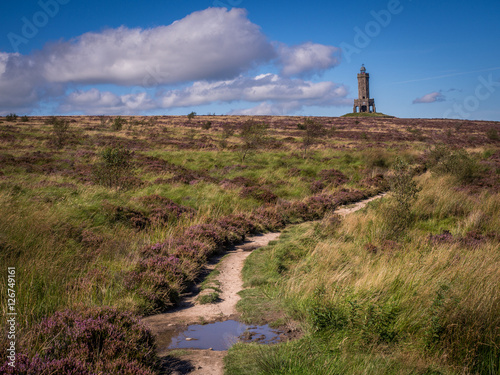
<point x="88" y="341"/>
<point x="159" y="211"/>
<point x="259" y="193"/>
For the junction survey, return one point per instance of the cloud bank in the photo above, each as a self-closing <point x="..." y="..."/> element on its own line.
<point x="210" y="50"/>
<point x="277" y="94"/>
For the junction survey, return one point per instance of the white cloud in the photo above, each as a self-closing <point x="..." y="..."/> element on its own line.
<point x="308" y="58"/>
<point x="21" y="86"/>
<point x="94" y="102"/>
<point x="432" y="97"/>
<point x="211" y="44"/>
<point x="211" y="50"/>
<point x="280" y="94"/>
<point x="261" y="88"/>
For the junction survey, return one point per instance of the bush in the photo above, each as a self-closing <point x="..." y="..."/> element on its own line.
<point x="313" y="132"/>
<point x="114" y="167"/>
<point x="253" y="136"/>
<point x="206" y="125"/>
<point x="61" y="131"/>
<point x="191" y="115"/>
<point x="404" y="191"/>
<point x="492" y="135"/>
<point x="458" y="163"/>
<point x="118" y="123"/>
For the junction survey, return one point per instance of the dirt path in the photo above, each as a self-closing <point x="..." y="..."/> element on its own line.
<point x="164" y="326"/>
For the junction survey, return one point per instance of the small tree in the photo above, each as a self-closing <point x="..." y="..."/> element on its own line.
<point x="191" y="116"/>
<point x="404" y="191"/>
<point x="313" y="132"/>
<point x="61" y="132"/>
<point x="227" y="131"/>
<point x="253" y="136"/>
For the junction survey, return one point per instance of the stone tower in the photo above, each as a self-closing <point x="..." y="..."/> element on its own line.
<point x="364" y="103"/>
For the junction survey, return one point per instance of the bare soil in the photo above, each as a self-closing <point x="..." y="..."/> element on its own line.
<point x="165" y="326"/>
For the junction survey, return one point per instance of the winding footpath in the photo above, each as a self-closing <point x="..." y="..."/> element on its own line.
<point x="165" y="326"/>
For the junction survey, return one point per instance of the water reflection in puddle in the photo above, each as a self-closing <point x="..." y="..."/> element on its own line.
<point x="222" y="335"/>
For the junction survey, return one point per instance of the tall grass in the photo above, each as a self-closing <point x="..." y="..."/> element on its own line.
<point x="426" y="303"/>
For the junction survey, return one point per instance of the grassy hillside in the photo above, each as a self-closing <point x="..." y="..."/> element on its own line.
<point x="367" y="114"/>
<point x="106" y="217"/>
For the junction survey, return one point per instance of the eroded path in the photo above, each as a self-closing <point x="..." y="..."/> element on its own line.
<point x="164" y="326"/>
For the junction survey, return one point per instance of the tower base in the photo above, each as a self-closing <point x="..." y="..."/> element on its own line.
<point x="364" y="106"/>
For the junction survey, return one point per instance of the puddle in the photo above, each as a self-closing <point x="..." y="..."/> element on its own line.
<point x="222" y="335"/>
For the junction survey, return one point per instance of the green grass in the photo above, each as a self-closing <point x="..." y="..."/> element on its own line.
<point x="205" y="299"/>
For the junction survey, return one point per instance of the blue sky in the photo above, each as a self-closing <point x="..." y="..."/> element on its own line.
<point x="425" y="59"/>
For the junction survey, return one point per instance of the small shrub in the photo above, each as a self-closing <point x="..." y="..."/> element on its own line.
<point x="253" y="136"/>
<point x="458" y="163"/>
<point x="191" y="116"/>
<point x="118" y="123"/>
<point x="25" y="118"/>
<point x="61" y="131"/>
<point x="113" y="167"/>
<point x="492" y="134"/>
<point x="206" y="125"/>
<point x="313" y="132"/>
<point x="405" y="191"/>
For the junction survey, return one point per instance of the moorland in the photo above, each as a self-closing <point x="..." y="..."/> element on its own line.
<point x="108" y="219"/>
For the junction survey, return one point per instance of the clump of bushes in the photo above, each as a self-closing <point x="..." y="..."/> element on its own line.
<point x="11" y="117"/>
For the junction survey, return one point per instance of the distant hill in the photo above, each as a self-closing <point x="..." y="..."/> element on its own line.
<point x="366" y="114"/>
